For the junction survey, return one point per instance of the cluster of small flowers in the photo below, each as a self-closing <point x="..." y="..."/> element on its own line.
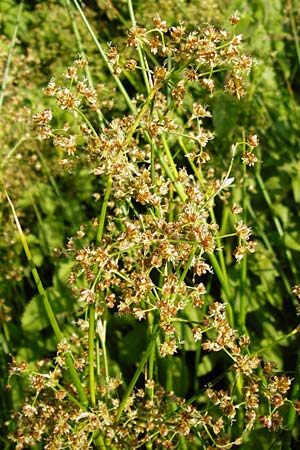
<point x="249" y="157"/>
<point x="256" y="389"/>
<point x="57" y="423"/>
<point x="53" y="420"/>
<point x="134" y="250"/>
<point x="201" y="52"/>
<point x="73" y="98"/>
<point x="153" y="258"/>
<point x="243" y="233"/>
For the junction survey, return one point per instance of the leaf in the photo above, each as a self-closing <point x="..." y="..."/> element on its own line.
<point x="49" y="201"/>
<point x="205" y="366"/>
<point x="185" y="335"/>
<point x="34" y="316"/>
<point x="296" y="189"/>
<point x="291" y="243"/>
<point x="224" y="115"/>
<point x="180" y="376"/>
<point x="62" y="272"/>
<point x="184" y="330"/>
<point x="281" y="211"/>
<point x="60" y="298"/>
<point x="131" y="346"/>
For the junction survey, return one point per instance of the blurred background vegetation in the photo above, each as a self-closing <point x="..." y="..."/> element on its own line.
<point x="52" y="204"/>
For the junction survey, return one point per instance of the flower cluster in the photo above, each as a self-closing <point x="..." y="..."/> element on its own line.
<point x="54" y="419"/>
<point x="152" y="251"/>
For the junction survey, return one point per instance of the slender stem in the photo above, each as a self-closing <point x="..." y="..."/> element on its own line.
<point x="243" y="279"/>
<point x="269" y="247"/>
<point x="294" y="30"/>
<point x="196" y="170"/>
<point x="269" y="203"/>
<point x="277" y="341"/>
<point x="78" y="110"/>
<point x="91" y="354"/>
<point x="91" y="350"/>
<point x="137" y="373"/>
<point x="243" y="265"/>
<point x="151" y="356"/>
<point x="187" y="265"/>
<point x="82" y="53"/>
<point x="104" y="351"/>
<point x="225" y="285"/>
<point x="276" y="222"/>
<point x="178" y="186"/>
<point x="104" y="57"/>
<point x="52" y="319"/>
<point x="10" y="153"/>
<point x="218" y="243"/>
<point x="9" y="56"/>
<point x="295" y="396"/>
<point x="143" y="62"/>
<point x="141" y="113"/>
<point x="104" y="209"/>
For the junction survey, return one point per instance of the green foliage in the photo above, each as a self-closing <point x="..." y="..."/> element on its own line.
<point x="112" y="228"/>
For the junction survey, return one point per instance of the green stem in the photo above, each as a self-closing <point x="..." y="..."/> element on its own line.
<point x="169" y="378"/>
<point x="100" y="443"/>
<point x="219" y="245"/>
<point x="91" y="351"/>
<point x="12" y="151"/>
<point x="187" y="265"/>
<point x="243" y="265"/>
<point x="9" y="57"/>
<point x="102" y="336"/>
<point x="295" y="396"/>
<point x="104" y="209"/>
<point x="178" y="186"/>
<point x="137" y="373"/>
<point x="277" y="341"/>
<point x="151" y="360"/>
<point x="276" y="222"/>
<point x="143" y="62"/>
<point x="170" y="157"/>
<point x="269" y="247"/>
<point x="82" y="53"/>
<point x="196" y="170"/>
<point x="104" y="57"/>
<point x="294" y="30"/>
<point x="269" y="203"/>
<point x="141" y="113"/>
<point x="225" y="285"/>
<point x="91" y="354"/>
<point x="243" y="309"/>
<point x="52" y="319"/>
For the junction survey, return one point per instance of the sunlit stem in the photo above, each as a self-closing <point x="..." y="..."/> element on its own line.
<point x="104" y="57"/>
<point x="5" y="77"/>
<point x="143" y="61"/>
<point x="51" y="317"/>
<point x="137" y="373"/>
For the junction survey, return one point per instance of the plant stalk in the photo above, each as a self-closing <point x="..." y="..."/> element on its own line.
<point x="52" y="319"/>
